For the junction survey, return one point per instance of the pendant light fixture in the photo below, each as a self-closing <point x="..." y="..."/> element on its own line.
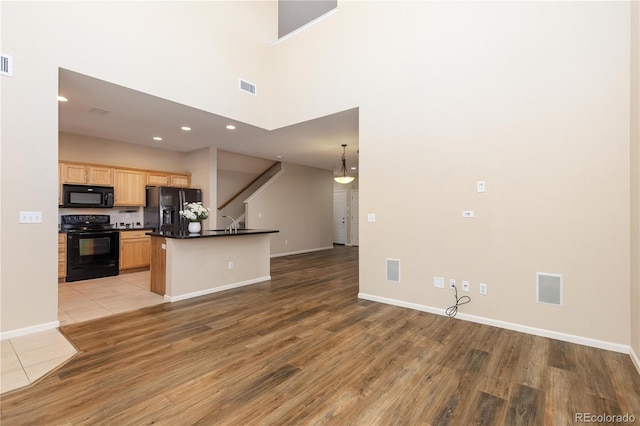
<point x="343" y="177"/>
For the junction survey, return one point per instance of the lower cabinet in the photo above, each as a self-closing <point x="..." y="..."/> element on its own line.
<point x="135" y="249"/>
<point x="62" y="256"/>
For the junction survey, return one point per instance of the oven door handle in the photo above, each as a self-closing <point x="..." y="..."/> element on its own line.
<point x="91" y="233"/>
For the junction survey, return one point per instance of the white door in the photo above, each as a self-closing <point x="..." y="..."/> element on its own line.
<point x="340" y="217"/>
<point x="355" y="230"/>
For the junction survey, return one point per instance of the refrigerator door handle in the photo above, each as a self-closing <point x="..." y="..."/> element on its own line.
<point x="181" y="220"/>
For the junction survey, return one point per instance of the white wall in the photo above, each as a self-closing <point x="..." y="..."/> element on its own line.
<point x="298" y="203"/>
<point x="126" y="43"/>
<point x="533" y="98"/>
<point x="202" y="165"/>
<point x="72" y="147"/>
<point x="635" y="180"/>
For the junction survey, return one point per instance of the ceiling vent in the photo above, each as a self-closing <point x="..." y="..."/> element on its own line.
<point x="100" y="111"/>
<point x="6" y="65"/>
<point x="245" y="86"/>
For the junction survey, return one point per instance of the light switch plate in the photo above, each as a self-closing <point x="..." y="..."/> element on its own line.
<point x="30" y="217"/>
<point x="371" y="217"/>
<point x="480" y="185"/>
<point x="438" y="282"/>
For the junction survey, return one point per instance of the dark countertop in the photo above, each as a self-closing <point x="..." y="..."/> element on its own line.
<point x="212" y="233"/>
<point x="140" y="228"/>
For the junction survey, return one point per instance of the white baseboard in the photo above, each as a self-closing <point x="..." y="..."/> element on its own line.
<point x="215" y="289"/>
<point x="635" y="359"/>
<point x="29" y="330"/>
<point x="301" y="251"/>
<point x="586" y="341"/>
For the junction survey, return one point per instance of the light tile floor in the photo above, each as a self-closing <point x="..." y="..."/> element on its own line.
<point x="25" y="359"/>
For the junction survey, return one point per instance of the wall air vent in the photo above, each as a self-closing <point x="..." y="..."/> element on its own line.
<point x="393" y="270"/>
<point x="6" y="65"/>
<point x="549" y="288"/>
<point x="245" y="86"/>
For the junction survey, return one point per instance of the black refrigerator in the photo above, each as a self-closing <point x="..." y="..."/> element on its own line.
<point x="162" y="211"/>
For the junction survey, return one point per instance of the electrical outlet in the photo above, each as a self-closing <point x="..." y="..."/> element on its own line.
<point x="438" y="282"/>
<point x="465" y="285"/>
<point x="230" y="264"/>
<point x="483" y="288"/>
<point x="452" y="283"/>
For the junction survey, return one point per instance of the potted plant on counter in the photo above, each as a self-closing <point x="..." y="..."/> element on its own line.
<point x="195" y="213"/>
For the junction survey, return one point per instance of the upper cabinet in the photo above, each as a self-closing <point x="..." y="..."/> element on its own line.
<point x="182" y="181"/>
<point x="128" y="184"/>
<point x="129" y="187"/>
<point x="85" y="174"/>
<point x="168" y="179"/>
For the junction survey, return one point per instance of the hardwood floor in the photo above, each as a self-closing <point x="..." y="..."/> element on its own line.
<point x="303" y="349"/>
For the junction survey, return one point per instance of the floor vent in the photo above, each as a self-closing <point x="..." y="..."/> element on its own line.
<point x="549" y="288"/>
<point x="393" y="270"/>
<point x="6" y="65"/>
<point x="245" y="86"/>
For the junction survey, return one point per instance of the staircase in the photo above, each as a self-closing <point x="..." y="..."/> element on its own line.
<point x="234" y="206"/>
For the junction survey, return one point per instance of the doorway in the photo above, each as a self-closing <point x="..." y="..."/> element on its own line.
<point x="340" y="217"/>
<point x="354" y="221"/>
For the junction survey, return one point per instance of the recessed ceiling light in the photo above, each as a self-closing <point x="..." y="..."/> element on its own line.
<point x="62" y="98"/>
<point x="186" y="128"/>
<point x="354" y="168"/>
<point x="157" y="138"/>
<point x="231" y="127"/>
<point x="279" y="157"/>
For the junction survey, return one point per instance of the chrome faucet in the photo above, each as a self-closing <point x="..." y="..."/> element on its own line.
<point x="234" y="226"/>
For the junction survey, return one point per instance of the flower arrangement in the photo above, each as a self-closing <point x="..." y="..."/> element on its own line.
<point x="195" y="212"/>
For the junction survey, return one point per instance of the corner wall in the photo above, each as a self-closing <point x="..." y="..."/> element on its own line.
<point x="635" y="181"/>
<point x="298" y="202"/>
<point x="530" y="97"/>
<point x="118" y="43"/>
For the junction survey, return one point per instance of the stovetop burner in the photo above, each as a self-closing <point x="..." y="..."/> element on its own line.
<point x="85" y="222"/>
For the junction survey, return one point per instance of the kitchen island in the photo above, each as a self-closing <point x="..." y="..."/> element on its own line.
<point x="187" y="265"/>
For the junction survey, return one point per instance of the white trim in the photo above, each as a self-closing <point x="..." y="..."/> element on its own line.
<point x="29" y="330"/>
<point x="215" y="289"/>
<point x="634" y="358"/>
<point x="301" y="251"/>
<point x="305" y="26"/>
<point x="267" y="183"/>
<point x="601" y="344"/>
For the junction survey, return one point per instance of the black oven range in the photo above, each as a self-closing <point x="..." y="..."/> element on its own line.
<point x="93" y="247"/>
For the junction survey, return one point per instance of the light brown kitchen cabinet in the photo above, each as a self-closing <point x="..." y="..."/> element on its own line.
<point x="157" y="179"/>
<point x="135" y="249"/>
<point x="168" y="179"/>
<point x="158" y="269"/>
<point x="62" y="256"/>
<point x="129" y="187"/>
<point x="181" y="181"/>
<point x="128" y="184"/>
<point x="82" y="174"/>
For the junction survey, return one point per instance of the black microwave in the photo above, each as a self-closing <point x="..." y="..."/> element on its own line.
<point x="87" y="196"/>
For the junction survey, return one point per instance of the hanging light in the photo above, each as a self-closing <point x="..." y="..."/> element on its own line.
<point x="343" y="177"/>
